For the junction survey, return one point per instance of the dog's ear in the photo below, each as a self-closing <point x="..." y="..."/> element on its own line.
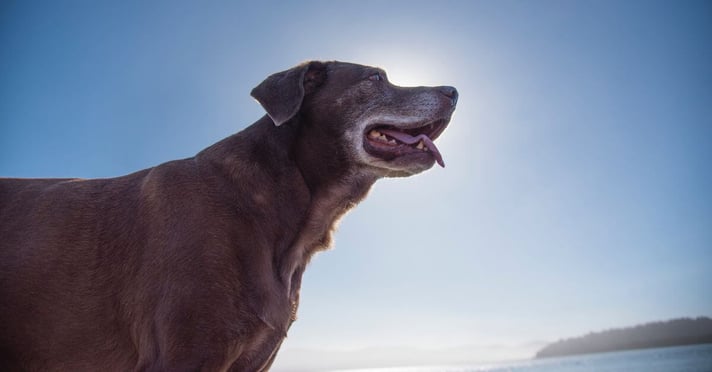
<point x="281" y="94"/>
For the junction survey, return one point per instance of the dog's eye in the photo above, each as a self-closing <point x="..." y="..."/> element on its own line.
<point x="376" y="77"/>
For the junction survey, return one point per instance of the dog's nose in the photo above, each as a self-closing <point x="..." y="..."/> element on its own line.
<point x="451" y="93"/>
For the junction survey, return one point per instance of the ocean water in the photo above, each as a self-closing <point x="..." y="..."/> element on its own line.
<point x="697" y="358"/>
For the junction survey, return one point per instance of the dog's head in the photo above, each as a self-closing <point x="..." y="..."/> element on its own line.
<point x="354" y="117"/>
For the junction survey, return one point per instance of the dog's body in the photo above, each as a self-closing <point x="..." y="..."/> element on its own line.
<point x="196" y="264"/>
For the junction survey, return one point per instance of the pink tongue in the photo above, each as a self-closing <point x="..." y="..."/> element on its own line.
<point x="410" y="140"/>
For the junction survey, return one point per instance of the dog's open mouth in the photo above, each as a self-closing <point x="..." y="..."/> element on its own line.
<point x="389" y="141"/>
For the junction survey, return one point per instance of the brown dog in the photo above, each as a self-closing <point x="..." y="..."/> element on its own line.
<point x="196" y="264"/>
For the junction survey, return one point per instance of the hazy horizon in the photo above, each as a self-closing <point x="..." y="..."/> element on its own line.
<point x="576" y="192"/>
<point x="689" y="358"/>
<point x="325" y="359"/>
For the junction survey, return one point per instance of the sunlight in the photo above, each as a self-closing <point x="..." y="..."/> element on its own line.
<point x="408" y="67"/>
<point x="408" y="73"/>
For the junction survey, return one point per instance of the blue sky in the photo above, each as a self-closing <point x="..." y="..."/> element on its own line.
<point x="576" y="193"/>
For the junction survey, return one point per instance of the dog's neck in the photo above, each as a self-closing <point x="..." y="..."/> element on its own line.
<point x="327" y="207"/>
<point x="320" y="191"/>
<point x="335" y="186"/>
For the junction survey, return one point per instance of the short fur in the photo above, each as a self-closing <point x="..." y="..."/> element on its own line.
<point x="194" y="264"/>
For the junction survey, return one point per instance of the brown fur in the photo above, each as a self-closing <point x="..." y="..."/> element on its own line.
<point x="194" y="264"/>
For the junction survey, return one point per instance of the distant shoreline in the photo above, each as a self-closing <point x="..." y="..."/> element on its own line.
<point x="676" y="332"/>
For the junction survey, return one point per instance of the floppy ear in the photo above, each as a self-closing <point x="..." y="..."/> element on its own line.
<point x="281" y="94"/>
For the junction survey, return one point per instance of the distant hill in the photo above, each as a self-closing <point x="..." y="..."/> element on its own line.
<point x="675" y="332"/>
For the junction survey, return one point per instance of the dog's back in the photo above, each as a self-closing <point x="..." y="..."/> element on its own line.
<point x="115" y="272"/>
<point x="61" y="268"/>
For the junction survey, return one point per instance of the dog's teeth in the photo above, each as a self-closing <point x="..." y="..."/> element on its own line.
<point x="420" y="146"/>
<point x="378" y="136"/>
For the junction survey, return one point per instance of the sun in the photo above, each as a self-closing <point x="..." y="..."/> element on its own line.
<point x="408" y="68"/>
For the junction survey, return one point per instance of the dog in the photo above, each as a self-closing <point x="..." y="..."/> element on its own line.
<point x="196" y="264"/>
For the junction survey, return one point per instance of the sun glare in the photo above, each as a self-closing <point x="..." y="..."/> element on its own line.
<point x="407" y="68"/>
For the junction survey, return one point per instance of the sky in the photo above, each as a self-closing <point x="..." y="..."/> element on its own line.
<point x="576" y="195"/>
